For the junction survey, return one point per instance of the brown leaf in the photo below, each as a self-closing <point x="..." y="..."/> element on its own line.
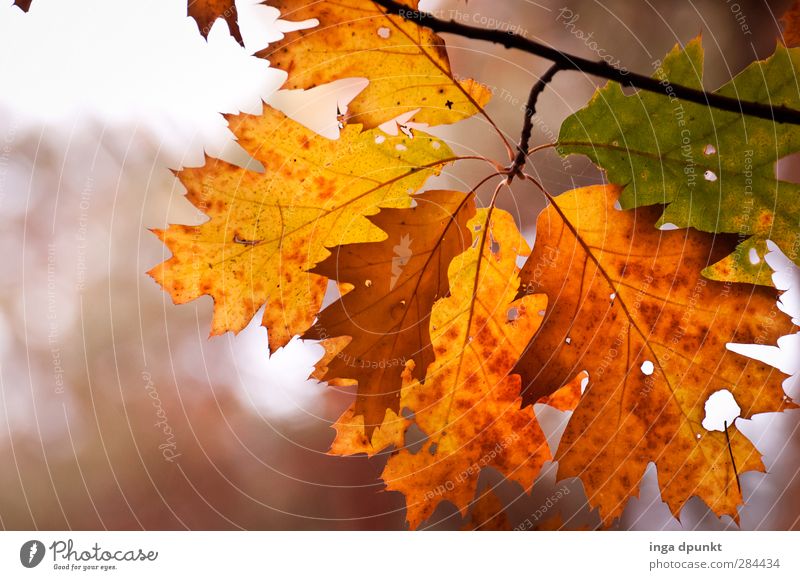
<point x="407" y="65"/>
<point x="791" y="25"/>
<point x="205" y="12"/>
<point x="469" y="406"/>
<point x="487" y="514"/>
<point x="567" y="397"/>
<point x="395" y="283"/>
<point x="23" y="5"/>
<point x="625" y="293"/>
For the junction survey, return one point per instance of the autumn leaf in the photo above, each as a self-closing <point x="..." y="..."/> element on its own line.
<point x="267" y="230"/>
<point x="469" y="405"/>
<point x="407" y="65"/>
<point x="395" y="283"/>
<point x="629" y="306"/>
<point x="205" y="12"/>
<point x="791" y="25"/>
<point x="23" y="5"/>
<point x="351" y="436"/>
<point x="487" y="514"/>
<point x="715" y="170"/>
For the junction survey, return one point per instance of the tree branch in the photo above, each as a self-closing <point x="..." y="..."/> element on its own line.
<point x="530" y="110"/>
<point x="601" y="69"/>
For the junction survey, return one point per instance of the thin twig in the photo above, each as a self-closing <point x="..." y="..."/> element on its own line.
<point x="527" y="127"/>
<point x="601" y="69"/>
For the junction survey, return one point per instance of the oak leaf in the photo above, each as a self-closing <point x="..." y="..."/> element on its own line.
<point x="791" y="25"/>
<point x="469" y="405"/>
<point x="487" y="514"/>
<point x="630" y="306"/>
<point x="205" y="12"/>
<point x="395" y="283"/>
<point x="406" y="64"/>
<point x="714" y="170"/>
<point x="267" y="230"/>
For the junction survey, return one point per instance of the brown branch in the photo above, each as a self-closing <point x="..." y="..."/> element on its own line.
<point x="527" y="127"/>
<point x="601" y="69"/>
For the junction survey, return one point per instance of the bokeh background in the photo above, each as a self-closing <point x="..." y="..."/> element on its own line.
<point x="99" y="101"/>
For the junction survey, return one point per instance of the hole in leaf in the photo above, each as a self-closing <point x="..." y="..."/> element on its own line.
<point x="513" y="314"/>
<point x="710" y="175"/>
<point x="753" y="255"/>
<point x="568" y="340"/>
<point x="384" y="32"/>
<point x="648" y="367"/>
<point x="415" y="439"/>
<point x="495" y="247"/>
<point x="432" y="449"/>
<point x="668" y="227"/>
<point x="400" y="147"/>
<point x="721" y="408"/>
<point x="380" y="139"/>
<point x="709" y="149"/>
<point x="368" y="283"/>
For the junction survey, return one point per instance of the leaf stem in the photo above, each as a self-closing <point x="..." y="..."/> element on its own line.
<point x="566" y="61"/>
<point x="733" y="461"/>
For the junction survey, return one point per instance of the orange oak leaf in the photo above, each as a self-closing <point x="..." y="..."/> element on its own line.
<point x="629" y="305"/>
<point x="791" y="25"/>
<point x="407" y="65"/>
<point x="469" y="405"/>
<point x="205" y="12"/>
<point x="487" y="514"/>
<point x="351" y="437"/>
<point x="267" y="230"/>
<point x="567" y="397"/>
<point x="395" y="283"/>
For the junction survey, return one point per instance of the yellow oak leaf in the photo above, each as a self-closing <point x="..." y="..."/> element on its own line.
<point x="406" y="64"/>
<point x="266" y="230"/>
<point x="630" y="306"/>
<point x="469" y="405"/>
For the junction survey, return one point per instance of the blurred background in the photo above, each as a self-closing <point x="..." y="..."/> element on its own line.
<point x="117" y="411"/>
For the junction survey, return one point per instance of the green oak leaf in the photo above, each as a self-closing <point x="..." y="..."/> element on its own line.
<point x="714" y="170"/>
